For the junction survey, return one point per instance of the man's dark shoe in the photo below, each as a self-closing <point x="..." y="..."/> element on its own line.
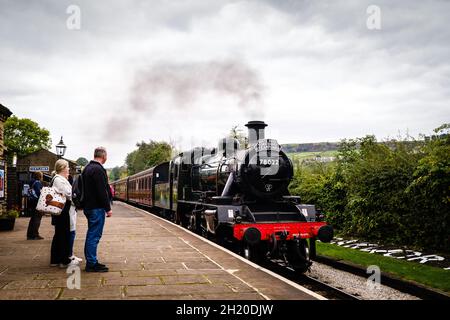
<point x="35" y="238"/>
<point x="96" y="268"/>
<point x="101" y="264"/>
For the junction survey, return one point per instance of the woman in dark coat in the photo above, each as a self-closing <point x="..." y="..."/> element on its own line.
<point x="61" y="244"/>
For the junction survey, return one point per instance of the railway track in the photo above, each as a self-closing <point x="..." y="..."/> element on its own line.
<point x="321" y="288"/>
<point x="334" y="293"/>
<point x="324" y="289"/>
<point x="389" y="280"/>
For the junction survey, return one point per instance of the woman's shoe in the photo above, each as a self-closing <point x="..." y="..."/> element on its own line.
<point x="74" y="257"/>
<point x="74" y="262"/>
<point x="71" y="263"/>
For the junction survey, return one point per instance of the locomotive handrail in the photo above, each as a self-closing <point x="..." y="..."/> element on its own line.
<point x="228" y="184"/>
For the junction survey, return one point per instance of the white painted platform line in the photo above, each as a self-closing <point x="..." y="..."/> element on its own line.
<point x="254" y="265"/>
<point x="231" y="272"/>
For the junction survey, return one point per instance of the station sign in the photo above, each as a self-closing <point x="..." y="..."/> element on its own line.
<point x="39" y="168"/>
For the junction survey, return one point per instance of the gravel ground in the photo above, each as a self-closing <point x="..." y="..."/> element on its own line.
<point x="356" y="285"/>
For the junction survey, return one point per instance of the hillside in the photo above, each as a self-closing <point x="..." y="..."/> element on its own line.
<point x="310" y="147"/>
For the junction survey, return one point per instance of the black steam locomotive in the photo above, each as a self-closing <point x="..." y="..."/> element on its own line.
<point x="236" y="195"/>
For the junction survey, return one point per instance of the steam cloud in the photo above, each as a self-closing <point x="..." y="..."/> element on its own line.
<point x="182" y="84"/>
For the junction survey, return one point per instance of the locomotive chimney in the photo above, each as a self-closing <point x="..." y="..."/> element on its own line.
<point x="255" y="131"/>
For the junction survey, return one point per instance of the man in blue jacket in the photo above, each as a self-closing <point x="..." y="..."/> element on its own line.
<point x="96" y="206"/>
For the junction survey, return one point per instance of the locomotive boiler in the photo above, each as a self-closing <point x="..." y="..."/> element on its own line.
<point x="235" y="194"/>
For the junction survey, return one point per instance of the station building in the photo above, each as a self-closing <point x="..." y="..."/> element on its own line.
<point x="15" y="178"/>
<point x="42" y="160"/>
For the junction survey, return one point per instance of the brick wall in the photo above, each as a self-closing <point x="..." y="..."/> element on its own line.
<point x="42" y="158"/>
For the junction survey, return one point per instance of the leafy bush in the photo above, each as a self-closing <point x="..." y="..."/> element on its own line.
<point x="394" y="191"/>
<point x="10" y="214"/>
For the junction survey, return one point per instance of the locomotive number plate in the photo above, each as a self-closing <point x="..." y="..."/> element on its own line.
<point x="269" y="162"/>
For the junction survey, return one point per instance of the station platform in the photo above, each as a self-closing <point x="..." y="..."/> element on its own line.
<point x="148" y="258"/>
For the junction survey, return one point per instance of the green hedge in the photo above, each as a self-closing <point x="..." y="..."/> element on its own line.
<point x="394" y="192"/>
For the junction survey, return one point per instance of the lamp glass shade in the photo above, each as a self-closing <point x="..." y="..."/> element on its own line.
<point x="61" y="148"/>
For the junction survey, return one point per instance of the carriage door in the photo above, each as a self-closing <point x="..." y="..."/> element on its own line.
<point x="174" y="175"/>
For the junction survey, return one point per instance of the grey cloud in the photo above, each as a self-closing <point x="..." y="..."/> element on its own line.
<point x="401" y="70"/>
<point x="418" y="26"/>
<point x="42" y="24"/>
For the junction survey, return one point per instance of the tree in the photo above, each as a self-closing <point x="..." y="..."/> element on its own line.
<point x="430" y="193"/>
<point x="82" y="162"/>
<point x="24" y="136"/>
<point x="148" y="155"/>
<point x="395" y="191"/>
<point x="238" y="133"/>
<point x="117" y="173"/>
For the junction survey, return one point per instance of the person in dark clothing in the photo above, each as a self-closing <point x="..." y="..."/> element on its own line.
<point x="61" y="245"/>
<point x="97" y="195"/>
<point x="35" y="220"/>
<point x="60" y="250"/>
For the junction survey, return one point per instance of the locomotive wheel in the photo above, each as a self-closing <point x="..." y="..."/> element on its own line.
<point x="194" y="224"/>
<point x="178" y="219"/>
<point x="175" y="219"/>
<point x="298" y="255"/>
<point x="252" y="253"/>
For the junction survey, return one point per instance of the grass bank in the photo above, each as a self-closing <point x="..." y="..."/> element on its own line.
<point x="426" y="275"/>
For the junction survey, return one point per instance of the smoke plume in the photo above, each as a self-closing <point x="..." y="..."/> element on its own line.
<point x="184" y="83"/>
<point x="172" y="85"/>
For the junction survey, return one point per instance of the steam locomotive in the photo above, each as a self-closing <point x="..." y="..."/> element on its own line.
<point x="238" y="196"/>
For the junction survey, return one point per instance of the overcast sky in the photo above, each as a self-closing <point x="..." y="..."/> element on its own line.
<point x="187" y="71"/>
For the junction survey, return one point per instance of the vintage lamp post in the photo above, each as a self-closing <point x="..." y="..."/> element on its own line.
<point x="61" y="149"/>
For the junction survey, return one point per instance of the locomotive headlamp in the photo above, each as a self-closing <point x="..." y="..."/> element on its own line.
<point x="252" y="236"/>
<point x="325" y="233"/>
